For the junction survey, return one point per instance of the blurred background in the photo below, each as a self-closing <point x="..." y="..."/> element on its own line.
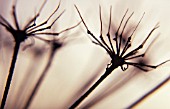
<point x="78" y="63"/>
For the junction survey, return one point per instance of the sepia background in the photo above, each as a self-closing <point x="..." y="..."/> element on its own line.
<point x="79" y="63"/>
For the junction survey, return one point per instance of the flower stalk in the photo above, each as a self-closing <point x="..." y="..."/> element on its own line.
<point x="10" y="75"/>
<point x="93" y="87"/>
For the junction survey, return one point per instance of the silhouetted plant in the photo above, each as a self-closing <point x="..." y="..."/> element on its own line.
<point x="118" y="57"/>
<point x="55" y="44"/>
<point x="20" y="35"/>
<point x="121" y="81"/>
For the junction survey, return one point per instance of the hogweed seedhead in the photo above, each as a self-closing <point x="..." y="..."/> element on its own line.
<point x="118" y="53"/>
<point x="31" y="28"/>
<point x="120" y="57"/>
<point x="20" y="35"/>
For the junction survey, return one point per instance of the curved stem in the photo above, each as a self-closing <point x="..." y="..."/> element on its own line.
<point x="107" y="72"/>
<point x="40" y="80"/>
<point x="11" y="71"/>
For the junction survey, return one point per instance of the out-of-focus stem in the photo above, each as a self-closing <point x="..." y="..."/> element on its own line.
<point x="40" y="80"/>
<point x="149" y="93"/>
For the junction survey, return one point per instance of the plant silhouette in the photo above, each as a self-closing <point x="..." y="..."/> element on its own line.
<point x="118" y="57"/>
<point x="118" y="46"/>
<point x="20" y="35"/>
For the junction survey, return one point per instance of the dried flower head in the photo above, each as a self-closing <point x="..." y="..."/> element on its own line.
<point x="120" y="57"/>
<point x="21" y="34"/>
<point x="31" y="28"/>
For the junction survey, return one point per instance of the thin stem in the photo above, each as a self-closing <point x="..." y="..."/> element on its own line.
<point x="149" y="93"/>
<point x="108" y="71"/>
<point x="117" y="32"/>
<point x="33" y="20"/>
<point x="15" y="17"/>
<point x="120" y="37"/>
<point x="11" y="71"/>
<point x="90" y="33"/>
<point x="32" y="30"/>
<point x="108" y="34"/>
<point x="40" y="80"/>
<point x="101" y="29"/>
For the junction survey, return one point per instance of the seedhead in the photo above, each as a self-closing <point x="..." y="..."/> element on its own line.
<point x="120" y="57"/>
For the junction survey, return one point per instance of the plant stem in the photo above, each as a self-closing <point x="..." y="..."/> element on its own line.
<point x="11" y="71"/>
<point x="108" y="71"/>
<point x="40" y="80"/>
<point x="149" y="93"/>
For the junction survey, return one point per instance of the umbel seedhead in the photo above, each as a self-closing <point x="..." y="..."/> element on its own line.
<point x="121" y="57"/>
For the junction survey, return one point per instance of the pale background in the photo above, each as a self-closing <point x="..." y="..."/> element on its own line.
<point x="80" y="61"/>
